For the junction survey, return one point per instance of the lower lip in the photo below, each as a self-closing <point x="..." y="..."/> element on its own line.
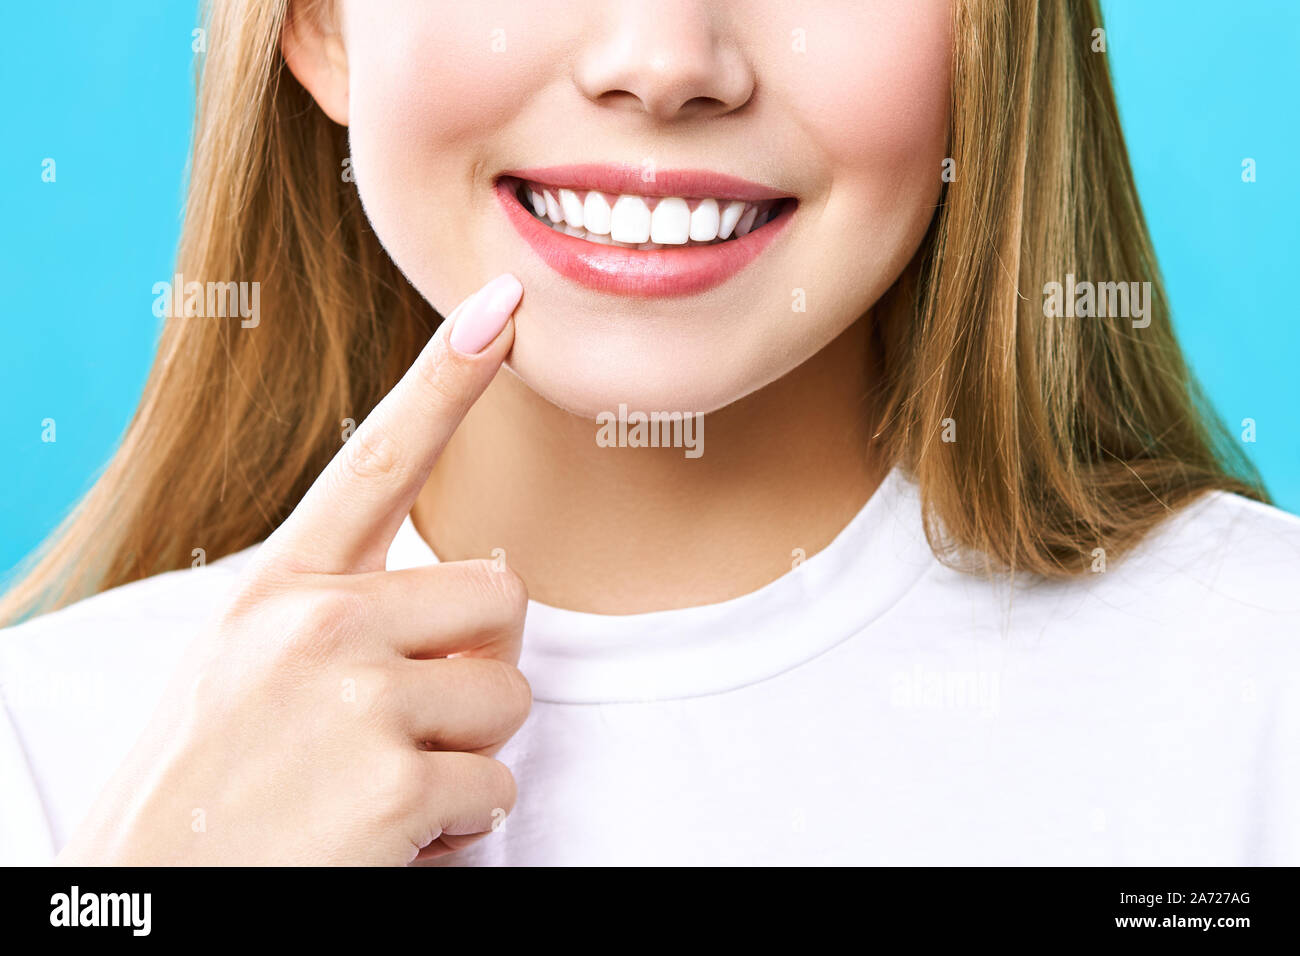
<point x="642" y="273"/>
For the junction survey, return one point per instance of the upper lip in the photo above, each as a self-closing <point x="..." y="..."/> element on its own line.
<point x="639" y="180"/>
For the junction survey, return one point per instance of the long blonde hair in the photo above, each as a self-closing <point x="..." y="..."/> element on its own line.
<point x="1074" y="433"/>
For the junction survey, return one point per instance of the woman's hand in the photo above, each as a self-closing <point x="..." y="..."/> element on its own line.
<point x="337" y="712"/>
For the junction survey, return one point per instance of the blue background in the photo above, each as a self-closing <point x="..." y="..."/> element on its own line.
<point x="108" y="95"/>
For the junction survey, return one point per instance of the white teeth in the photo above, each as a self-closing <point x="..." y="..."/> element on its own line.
<point x="595" y="213"/>
<point x="704" y="221"/>
<point x="571" y="205"/>
<point x="630" y="220"/>
<point x="553" y="208"/>
<point x="746" y="222"/>
<point x="670" y="225"/>
<point x="728" y="219"/>
<point x="632" y="224"/>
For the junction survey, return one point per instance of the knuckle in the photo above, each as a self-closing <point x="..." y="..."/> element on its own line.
<point x="318" y="620"/>
<point x="377" y="688"/>
<point x="512" y="691"/>
<point x="501" y="783"/>
<point x="239" y="610"/>
<point x="255" y="588"/>
<point x="400" y="782"/>
<point x="369" y="454"/>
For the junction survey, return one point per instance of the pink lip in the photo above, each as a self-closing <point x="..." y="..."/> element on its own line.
<point x="634" y="272"/>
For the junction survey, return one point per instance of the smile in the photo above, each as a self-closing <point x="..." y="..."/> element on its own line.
<point x="608" y="228"/>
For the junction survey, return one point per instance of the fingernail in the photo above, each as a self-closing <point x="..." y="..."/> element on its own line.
<point x="485" y="314"/>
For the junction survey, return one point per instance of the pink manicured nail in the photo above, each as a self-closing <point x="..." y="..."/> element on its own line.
<point x="485" y="314"/>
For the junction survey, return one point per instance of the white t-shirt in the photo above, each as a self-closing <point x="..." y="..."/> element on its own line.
<point x="871" y="706"/>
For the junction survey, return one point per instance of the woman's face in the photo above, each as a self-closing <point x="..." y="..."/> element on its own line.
<point x="828" y="118"/>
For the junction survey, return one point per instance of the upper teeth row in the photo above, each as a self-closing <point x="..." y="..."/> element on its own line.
<point x="672" y="222"/>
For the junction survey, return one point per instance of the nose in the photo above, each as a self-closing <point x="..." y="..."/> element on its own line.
<point x="669" y="59"/>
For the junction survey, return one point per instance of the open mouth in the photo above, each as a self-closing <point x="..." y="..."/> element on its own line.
<point x="645" y="222"/>
<point x="609" y="229"/>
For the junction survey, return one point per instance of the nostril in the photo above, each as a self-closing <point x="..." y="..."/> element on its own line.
<point x="702" y="106"/>
<point x="620" y="98"/>
<point x="668" y="101"/>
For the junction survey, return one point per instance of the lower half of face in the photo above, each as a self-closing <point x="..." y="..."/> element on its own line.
<point x="697" y="197"/>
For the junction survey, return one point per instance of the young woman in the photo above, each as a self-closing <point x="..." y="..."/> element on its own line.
<point x="950" y="576"/>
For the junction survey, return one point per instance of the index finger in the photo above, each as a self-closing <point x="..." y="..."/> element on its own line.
<point x="349" y="516"/>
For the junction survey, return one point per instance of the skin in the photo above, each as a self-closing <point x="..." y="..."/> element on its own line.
<point x="256" y="731"/>
<point x="855" y="128"/>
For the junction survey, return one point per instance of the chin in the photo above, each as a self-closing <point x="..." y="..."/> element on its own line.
<point x="592" y="374"/>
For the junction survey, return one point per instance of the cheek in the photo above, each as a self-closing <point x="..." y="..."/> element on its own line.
<point x="429" y="83"/>
<point x="434" y="73"/>
<point x="874" y="98"/>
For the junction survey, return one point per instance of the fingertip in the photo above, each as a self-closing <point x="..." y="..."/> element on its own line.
<point x="485" y="314"/>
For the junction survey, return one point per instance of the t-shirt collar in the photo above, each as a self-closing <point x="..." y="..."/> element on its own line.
<point x="575" y="657"/>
